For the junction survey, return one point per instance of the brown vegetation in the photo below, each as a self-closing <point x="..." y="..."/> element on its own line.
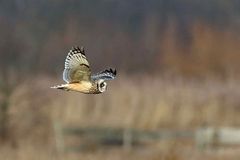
<point x="183" y="58"/>
<point x="138" y="102"/>
<point x="163" y="38"/>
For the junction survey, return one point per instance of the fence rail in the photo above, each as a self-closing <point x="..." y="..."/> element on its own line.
<point x="204" y="137"/>
<point x="212" y="137"/>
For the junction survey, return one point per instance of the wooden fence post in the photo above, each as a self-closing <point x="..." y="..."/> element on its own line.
<point x="127" y="139"/>
<point x="59" y="137"/>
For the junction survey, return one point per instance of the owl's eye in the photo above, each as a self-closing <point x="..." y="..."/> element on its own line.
<point x="102" y="85"/>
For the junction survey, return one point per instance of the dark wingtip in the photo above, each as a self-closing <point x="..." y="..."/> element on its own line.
<point x="114" y="71"/>
<point x="110" y="70"/>
<point x="79" y="49"/>
<point x="82" y="50"/>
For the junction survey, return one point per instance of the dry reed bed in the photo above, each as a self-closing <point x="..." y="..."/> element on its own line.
<point x="138" y="102"/>
<point x="154" y="103"/>
<point x="144" y="103"/>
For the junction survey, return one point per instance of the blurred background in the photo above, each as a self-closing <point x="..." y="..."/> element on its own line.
<point x="176" y="95"/>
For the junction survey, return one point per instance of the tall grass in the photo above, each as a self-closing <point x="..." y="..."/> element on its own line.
<point x="146" y="103"/>
<point x="153" y="103"/>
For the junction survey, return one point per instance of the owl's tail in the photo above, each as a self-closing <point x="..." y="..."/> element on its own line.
<point x="62" y="87"/>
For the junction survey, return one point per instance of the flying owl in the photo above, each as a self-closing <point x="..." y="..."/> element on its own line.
<point x="77" y="74"/>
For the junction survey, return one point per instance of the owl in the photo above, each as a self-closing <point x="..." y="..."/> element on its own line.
<point x="78" y="77"/>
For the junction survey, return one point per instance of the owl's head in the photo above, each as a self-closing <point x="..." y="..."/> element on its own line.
<point x="101" y="85"/>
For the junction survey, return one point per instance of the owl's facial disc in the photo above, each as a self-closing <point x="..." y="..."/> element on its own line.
<point x="102" y="85"/>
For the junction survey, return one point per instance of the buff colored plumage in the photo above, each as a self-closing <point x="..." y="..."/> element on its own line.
<point x="77" y="74"/>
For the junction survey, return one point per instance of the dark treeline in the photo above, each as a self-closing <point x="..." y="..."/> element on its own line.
<point x="134" y="36"/>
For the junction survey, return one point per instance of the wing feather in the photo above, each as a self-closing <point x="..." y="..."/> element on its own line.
<point x="105" y="75"/>
<point x="76" y="66"/>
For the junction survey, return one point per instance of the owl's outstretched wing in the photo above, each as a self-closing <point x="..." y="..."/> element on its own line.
<point x="76" y="66"/>
<point x="105" y="75"/>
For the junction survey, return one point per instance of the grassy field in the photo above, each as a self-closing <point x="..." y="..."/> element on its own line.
<point x="140" y="102"/>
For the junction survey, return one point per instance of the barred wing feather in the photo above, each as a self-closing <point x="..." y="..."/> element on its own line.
<point x="76" y="66"/>
<point x="105" y="75"/>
